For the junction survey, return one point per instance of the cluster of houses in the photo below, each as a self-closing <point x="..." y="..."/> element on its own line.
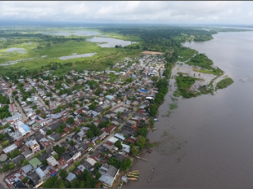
<point x="121" y="104"/>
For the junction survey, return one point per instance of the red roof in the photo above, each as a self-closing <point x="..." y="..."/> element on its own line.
<point x="109" y="129"/>
<point x="109" y="143"/>
<point x="130" y="140"/>
<point x="67" y="129"/>
<point x="62" y="162"/>
<point x="90" y="143"/>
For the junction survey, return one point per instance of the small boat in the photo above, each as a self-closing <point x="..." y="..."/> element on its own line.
<point x="134" y="171"/>
<point x="132" y="175"/>
<point x="132" y="178"/>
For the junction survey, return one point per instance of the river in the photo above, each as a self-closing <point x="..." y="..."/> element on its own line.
<point x="207" y="140"/>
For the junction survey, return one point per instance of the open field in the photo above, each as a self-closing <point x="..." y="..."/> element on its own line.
<point x="186" y="53"/>
<point x="40" y="50"/>
<point x="152" y="52"/>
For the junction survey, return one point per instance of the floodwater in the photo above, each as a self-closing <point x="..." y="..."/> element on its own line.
<point x="74" y="55"/>
<point x="109" y="42"/>
<point x="207" y="140"/>
<point x="75" y="33"/>
<point x="19" y="50"/>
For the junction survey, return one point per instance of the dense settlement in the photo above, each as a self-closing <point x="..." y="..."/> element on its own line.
<point x="82" y="129"/>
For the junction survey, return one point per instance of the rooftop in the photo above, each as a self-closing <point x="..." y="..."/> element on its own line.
<point x="35" y="162"/>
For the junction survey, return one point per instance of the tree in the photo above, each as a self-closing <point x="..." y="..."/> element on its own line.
<point x="71" y="143"/>
<point x="74" y="183"/>
<point x="63" y="173"/>
<point x="49" y="132"/>
<point x="37" y="111"/>
<point x="92" y="106"/>
<point x="47" y="102"/>
<point x="49" y="183"/>
<point x="25" y="162"/>
<point x="126" y="164"/>
<point x="134" y="150"/>
<point x="70" y="120"/>
<point x="56" y="156"/>
<point x="98" y="92"/>
<point x="75" y="102"/>
<point x="24" y="180"/>
<point x="143" y="131"/>
<point x="118" y="144"/>
<point x="59" y="183"/>
<point x="44" y="162"/>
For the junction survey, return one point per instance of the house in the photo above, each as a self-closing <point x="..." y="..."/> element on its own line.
<point x="70" y="177"/>
<point x="62" y="163"/>
<point x="41" y="174"/>
<point x="45" y="143"/>
<point x="23" y="128"/>
<point x="18" y="175"/>
<point x="109" y="130"/>
<point x="10" y="148"/>
<point x="125" y="148"/>
<point x="17" y="159"/>
<point x="52" y="162"/>
<point x="79" y="169"/>
<point x="27" y="154"/>
<point x="119" y="136"/>
<point x="109" y="97"/>
<point x="19" y="184"/>
<point x="131" y="139"/>
<point x="55" y="137"/>
<point x="35" y="162"/>
<point x="120" y="157"/>
<point x="27" y="168"/>
<point x="33" y="145"/>
<point x="56" y="125"/>
<point x="109" y="174"/>
<point x="44" y="157"/>
<point x="67" y="157"/>
<point x="35" y="180"/>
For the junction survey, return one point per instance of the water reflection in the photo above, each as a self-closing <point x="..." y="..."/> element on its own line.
<point x="109" y="42"/>
<point x="214" y="132"/>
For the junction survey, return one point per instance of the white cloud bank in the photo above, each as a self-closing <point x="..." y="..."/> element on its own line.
<point x="167" y="12"/>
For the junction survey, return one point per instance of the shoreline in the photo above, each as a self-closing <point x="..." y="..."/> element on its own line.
<point x="176" y="68"/>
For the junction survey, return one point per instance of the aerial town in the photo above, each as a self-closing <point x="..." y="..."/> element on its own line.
<point x="55" y="128"/>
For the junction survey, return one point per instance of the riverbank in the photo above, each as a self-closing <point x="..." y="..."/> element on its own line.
<point x="186" y="81"/>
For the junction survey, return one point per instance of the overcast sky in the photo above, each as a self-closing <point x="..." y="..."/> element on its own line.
<point x="167" y="12"/>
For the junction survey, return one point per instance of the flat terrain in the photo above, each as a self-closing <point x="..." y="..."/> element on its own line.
<point x="152" y="52"/>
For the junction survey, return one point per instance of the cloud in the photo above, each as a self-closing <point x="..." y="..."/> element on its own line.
<point x="215" y="12"/>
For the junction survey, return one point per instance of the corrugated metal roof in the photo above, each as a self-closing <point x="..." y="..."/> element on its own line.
<point x="71" y="176"/>
<point x="27" y="168"/>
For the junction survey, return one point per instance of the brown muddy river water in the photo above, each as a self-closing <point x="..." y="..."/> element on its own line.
<point x="208" y="140"/>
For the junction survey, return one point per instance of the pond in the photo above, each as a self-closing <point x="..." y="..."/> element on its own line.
<point x="109" y="42"/>
<point x="18" y="50"/>
<point x="74" y="55"/>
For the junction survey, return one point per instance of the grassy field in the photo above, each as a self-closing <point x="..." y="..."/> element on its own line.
<point x="186" y="54"/>
<point x="184" y="84"/>
<point x="205" y="63"/>
<point x="104" y="58"/>
<point x="224" y="83"/>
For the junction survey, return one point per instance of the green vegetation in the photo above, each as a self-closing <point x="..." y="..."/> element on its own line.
<point x="119" y="165"/>
<point x="204" y="62"/>
<point x="184" y="83"/>
<point x="224" y="83"/>
<point x="4" y="100"/>
<point x="4" y="112"/>
<point x="59" y="150"/>
<point x="24" y="180"/>
<point x="173" y="106"/>
<point x="186" y="53"/>
<point x="118" y="144"/>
